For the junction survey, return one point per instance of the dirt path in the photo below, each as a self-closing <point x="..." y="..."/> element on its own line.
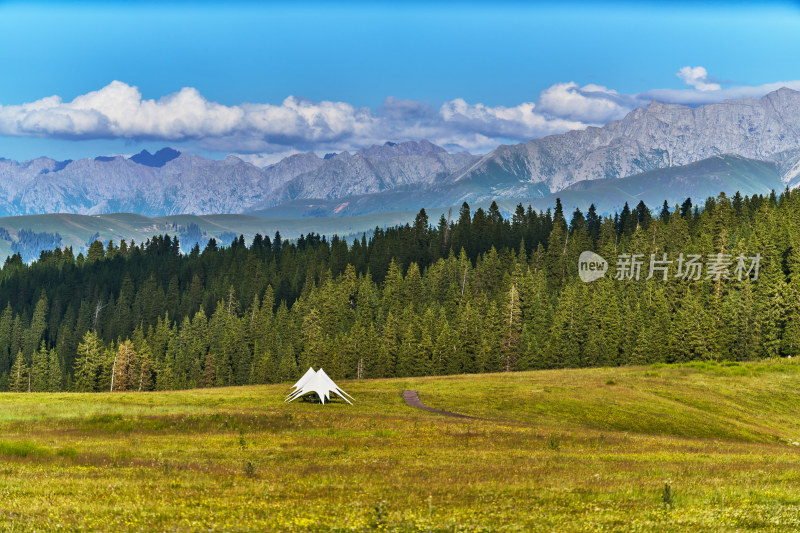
<point x="412" y="398"/>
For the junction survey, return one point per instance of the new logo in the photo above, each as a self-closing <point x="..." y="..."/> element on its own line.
<point x="591" y="266"/>
<point x="688" y="267"/>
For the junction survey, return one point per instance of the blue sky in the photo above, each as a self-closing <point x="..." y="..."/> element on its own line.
<point x="461" y="74"/>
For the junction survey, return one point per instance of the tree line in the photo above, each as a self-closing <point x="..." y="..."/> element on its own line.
<point x="480" y="293"/>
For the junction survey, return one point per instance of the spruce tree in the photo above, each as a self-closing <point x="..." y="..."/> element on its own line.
<point x="209" y="377"/>
<point x="55" y="373"/>
<point x="791" y="336"/>
<point x="124" y="370"/>
<point x="39" y="370"/>
<point x="512" y="329"/>
<point x="88" y="363"/>
<point x="18" y="376"/>
<point x="6" y="323"/>
<point x="384" y="366"/>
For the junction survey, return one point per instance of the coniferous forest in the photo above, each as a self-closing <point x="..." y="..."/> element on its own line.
<point x="480" y="293"/>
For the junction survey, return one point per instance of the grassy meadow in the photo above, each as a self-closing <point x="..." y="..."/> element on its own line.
<point x="672" y="448"/>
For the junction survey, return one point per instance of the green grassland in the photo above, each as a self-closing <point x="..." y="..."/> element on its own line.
<point x="571" y="450"/>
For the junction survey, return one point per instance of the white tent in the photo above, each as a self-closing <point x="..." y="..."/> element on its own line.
<point x="317" y="382"/>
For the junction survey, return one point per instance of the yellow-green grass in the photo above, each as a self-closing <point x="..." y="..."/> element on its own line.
<point x="572" y="450"/>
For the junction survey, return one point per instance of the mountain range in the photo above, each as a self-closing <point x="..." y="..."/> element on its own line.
<point x="657" y="136"/>
<point x="655" y="153"/>
<point x="698" y="181"/>
<point x="169" y="182"/>
<point x="410" y="175"/>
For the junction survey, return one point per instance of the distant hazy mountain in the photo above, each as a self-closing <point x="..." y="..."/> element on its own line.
<point x="158" y="184"/>
<point x="657" y="136"/>
<point x="697" y="181"/>
<point x="350" y="216"/>
<point x="78" y="231"/>
<point x="169" y="182"/>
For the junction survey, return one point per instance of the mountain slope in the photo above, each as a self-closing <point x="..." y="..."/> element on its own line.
<point x="78" y="231"/>
<point x="371" y="170"/>
<point x="169" y="182"/>
<point x="351" y="216"/>
<point x="657" y="136"/>
<point x="698" y="181"/>
<point x="184" y="183"/>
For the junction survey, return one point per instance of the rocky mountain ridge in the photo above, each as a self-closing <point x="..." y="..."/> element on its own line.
<point x="169" y="182"/>
<point x="649" y="138"/>
<point x="419" y="174"/>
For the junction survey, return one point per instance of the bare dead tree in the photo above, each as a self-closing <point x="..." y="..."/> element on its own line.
<point x="97" y="310"/>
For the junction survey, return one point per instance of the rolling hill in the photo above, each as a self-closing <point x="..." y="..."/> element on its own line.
<point x="79" y="231"/>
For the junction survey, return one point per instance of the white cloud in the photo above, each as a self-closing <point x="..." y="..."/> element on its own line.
<point x="296" y="124"/>
<point x="520" y="121"/>
<point x="591" y="103"/>
<point x="118" y="110"/>
<point x="697" y="77"/>
<point x="267" y="159"/>
<point x="697" y="97"/>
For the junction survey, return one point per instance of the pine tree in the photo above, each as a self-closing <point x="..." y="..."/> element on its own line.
<point x="96" y="252"/>
<point x="408" y="341"/>
<point x="18" y="378"/>
<point x="39" y="369"/>
<point x="791" y="336"/>
<point x="122" y="320"/>
<point x="384" y="366"/>
<point x="691" y="334"/>
<point x="143" y="372"/>
<point x="557" y="247"/>
<point x="423" y="352"/>
<point x="465" y="358"/>
<point x="6" y="323"/>
<point x="88" y="363"/>
<point x="444" y="349"/>
<point x="313" y="342"/>
<point x="366" y="344"/>
<point x="123" y="372"/>
<point x="394" y="294"/>
<point x="37" y="327"/>
<point x="494" y="357"/>
<point x="653" y="342"/>
<point x="512" y="329"/>
<point x="437" y="303"/>
<point x="55" y="374"/>
<point x="604" y="328"/>
<point x="287" y="368"/>
<point x="564" y="345"/>
<point x="209" y="377"/>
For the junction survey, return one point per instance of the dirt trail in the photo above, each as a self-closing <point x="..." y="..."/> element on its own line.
<point x="412" y="398"/>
